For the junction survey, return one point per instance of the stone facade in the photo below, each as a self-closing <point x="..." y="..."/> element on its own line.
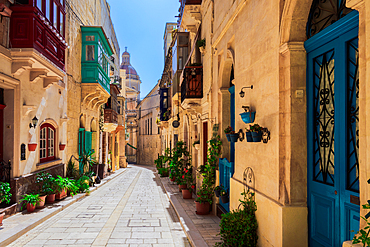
<point x="81" y="113"/>
<point x="262" y="44"/>
<point x="149" y="139"/>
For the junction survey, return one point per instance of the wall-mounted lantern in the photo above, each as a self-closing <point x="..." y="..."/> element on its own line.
<point x="34" y="122"/>
<point x="242" y="93"/>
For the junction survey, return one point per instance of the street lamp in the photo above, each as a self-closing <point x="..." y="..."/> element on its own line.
<point x="242" y="93"/>
<point x="34" y="122"/>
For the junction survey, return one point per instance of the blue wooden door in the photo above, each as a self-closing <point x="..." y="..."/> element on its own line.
<point x="332" y="133"/>
<point x="226" y="167"/>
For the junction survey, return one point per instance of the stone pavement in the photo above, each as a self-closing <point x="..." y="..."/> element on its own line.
<point x="131" y="210"/>
<point x="201" y="230"/>
<point x="18" y="224"/>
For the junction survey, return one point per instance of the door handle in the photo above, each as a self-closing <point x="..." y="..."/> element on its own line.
<point x="335" y="192"/>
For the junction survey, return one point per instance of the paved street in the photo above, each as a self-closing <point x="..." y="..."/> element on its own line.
<point x="132" y="210"/>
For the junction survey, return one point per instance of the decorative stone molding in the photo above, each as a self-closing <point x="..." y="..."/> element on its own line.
<point x="27" y="109"/>
<point x="354" y="4"/>
<point x="52" y="80"/>
<point x="37" y="74"/>
<point x="291" y="46"/>
<point x="20" y="66"/>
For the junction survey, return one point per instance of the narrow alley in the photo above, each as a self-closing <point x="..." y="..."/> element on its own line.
<point x="132" y="210"/>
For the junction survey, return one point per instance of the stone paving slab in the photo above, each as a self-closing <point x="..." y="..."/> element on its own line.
<point x="137" y="196"/>
<point x="201" y="230"/>
<point x="20" y="223"/>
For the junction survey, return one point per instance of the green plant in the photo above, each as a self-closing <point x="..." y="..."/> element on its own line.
<point x="60" y="184"/>
<point x="72" y="171"/>
<point x="46" y="182"/>
<point x="196" y="142"/>
<point x="180" y="159"/>
<point x="238" y="228"/>
<point x="363" y="234"/>
<point x="83" y="184"/>
<point x="86" y="161"/>
<point x="208" y="171"/>
<point x="255" y="128"/>
<point x="223" y="192"/>
<point x="5" y="194"/>
<point x="187" y="178"/>
<point x="201" y="43"/>
<point x="71" y="186"/>
<point x="30" y="199"/>
<point x="229" y="130"/>
<point x="220" y="187"/>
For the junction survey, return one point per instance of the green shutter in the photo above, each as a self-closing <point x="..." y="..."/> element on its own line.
<point x="81" y="141"/>
<point x="88" y="141"/>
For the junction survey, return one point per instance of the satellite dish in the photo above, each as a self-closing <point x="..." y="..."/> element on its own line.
<point x="175" y="124"/>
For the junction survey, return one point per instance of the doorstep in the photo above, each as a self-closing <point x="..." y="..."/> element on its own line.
<point x="20" y="223"/>
<point x="201" y="230"/>
<point x="349" y="244"/>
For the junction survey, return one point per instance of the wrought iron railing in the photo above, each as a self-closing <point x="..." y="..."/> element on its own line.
<point x="192" y="85"/>
<point x="5" y="168"/>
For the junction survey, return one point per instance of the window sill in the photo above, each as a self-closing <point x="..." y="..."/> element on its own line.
<point x="48" y="164"/>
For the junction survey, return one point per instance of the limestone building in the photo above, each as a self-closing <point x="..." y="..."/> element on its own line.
<point x="33" y="93"/>
<point x="131" y="80"/>
<point x="149" y="140"/>
<point x="305" y="182"/>
<point x="92" y="65"/>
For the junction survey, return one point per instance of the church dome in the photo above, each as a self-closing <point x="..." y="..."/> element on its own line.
<point x="126" y="65"/>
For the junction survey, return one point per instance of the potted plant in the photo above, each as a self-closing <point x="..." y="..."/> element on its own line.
<point x="43" y="179"/>
<point x="201" y="44"/>
<point x="228" y="131"/>
<point x="239" y="227"/>
<point x="248" y="115"/>
<point x="217" y="190"/>
<point x="256" y="131"/>
<point x="60" y="187"/>
<point x="196" y="144"/>
<point x="71" y="187"/>
<point x="5" y="196"/>
<point x="248" y="135"/>
<point x="62" y="146"/>
<point x="189" y="182"/>
<point x="30" y="201"/>
<point x="224" y="196"/>
<point x="204" y="200"/>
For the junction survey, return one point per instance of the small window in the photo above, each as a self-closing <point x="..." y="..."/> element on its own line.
<point x="90" y="53"/>
<point x="61" y="23"/>
<point x="55" y="15"/>
<point x="47" y="9"/>
<point x="90" y="38"/>
<point x="39" y="4"/>
<point x="47" y="143"/>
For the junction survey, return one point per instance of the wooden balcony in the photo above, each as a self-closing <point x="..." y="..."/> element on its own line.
<point x="30" y="29"/>
<point x="192" y="85"/>
<point x="110" y="116"/>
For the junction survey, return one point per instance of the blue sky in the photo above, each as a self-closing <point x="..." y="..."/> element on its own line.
<point x="139" y="25"/>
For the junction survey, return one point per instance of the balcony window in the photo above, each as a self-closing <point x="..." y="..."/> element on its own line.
<point x="47" y="9"/>
<point x="39" y="4"/>
<point x="90" y="53"/>
<point x="61" y="23"/>
<point x="55" y="16"/>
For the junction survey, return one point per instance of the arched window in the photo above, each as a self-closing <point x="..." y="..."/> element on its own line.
<point x="47" y="142"/>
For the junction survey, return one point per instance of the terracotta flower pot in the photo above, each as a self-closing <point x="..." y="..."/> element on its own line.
<point x="50" y="198"/>
<point x="41" y="204"/>
<point x="202" y="208"/>
<point x="182" y="187"/>
<point x="186" y="194"/>
<point x="1" y="218"/>
<point x="31" y="207"/>
<point x="32" y="147"/>
<point x="62" y="147"/>
<point x="61" y="195"/>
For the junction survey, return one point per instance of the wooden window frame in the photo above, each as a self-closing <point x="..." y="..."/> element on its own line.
<point x="48" y="158"/>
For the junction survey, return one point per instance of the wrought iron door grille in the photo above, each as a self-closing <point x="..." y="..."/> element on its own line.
<point x="323" y="13"/>
<point x="324" y="118"/>
<point x="352" y="116"/>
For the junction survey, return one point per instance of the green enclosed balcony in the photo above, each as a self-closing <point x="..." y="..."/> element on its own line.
<point x="96" y="51"/>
